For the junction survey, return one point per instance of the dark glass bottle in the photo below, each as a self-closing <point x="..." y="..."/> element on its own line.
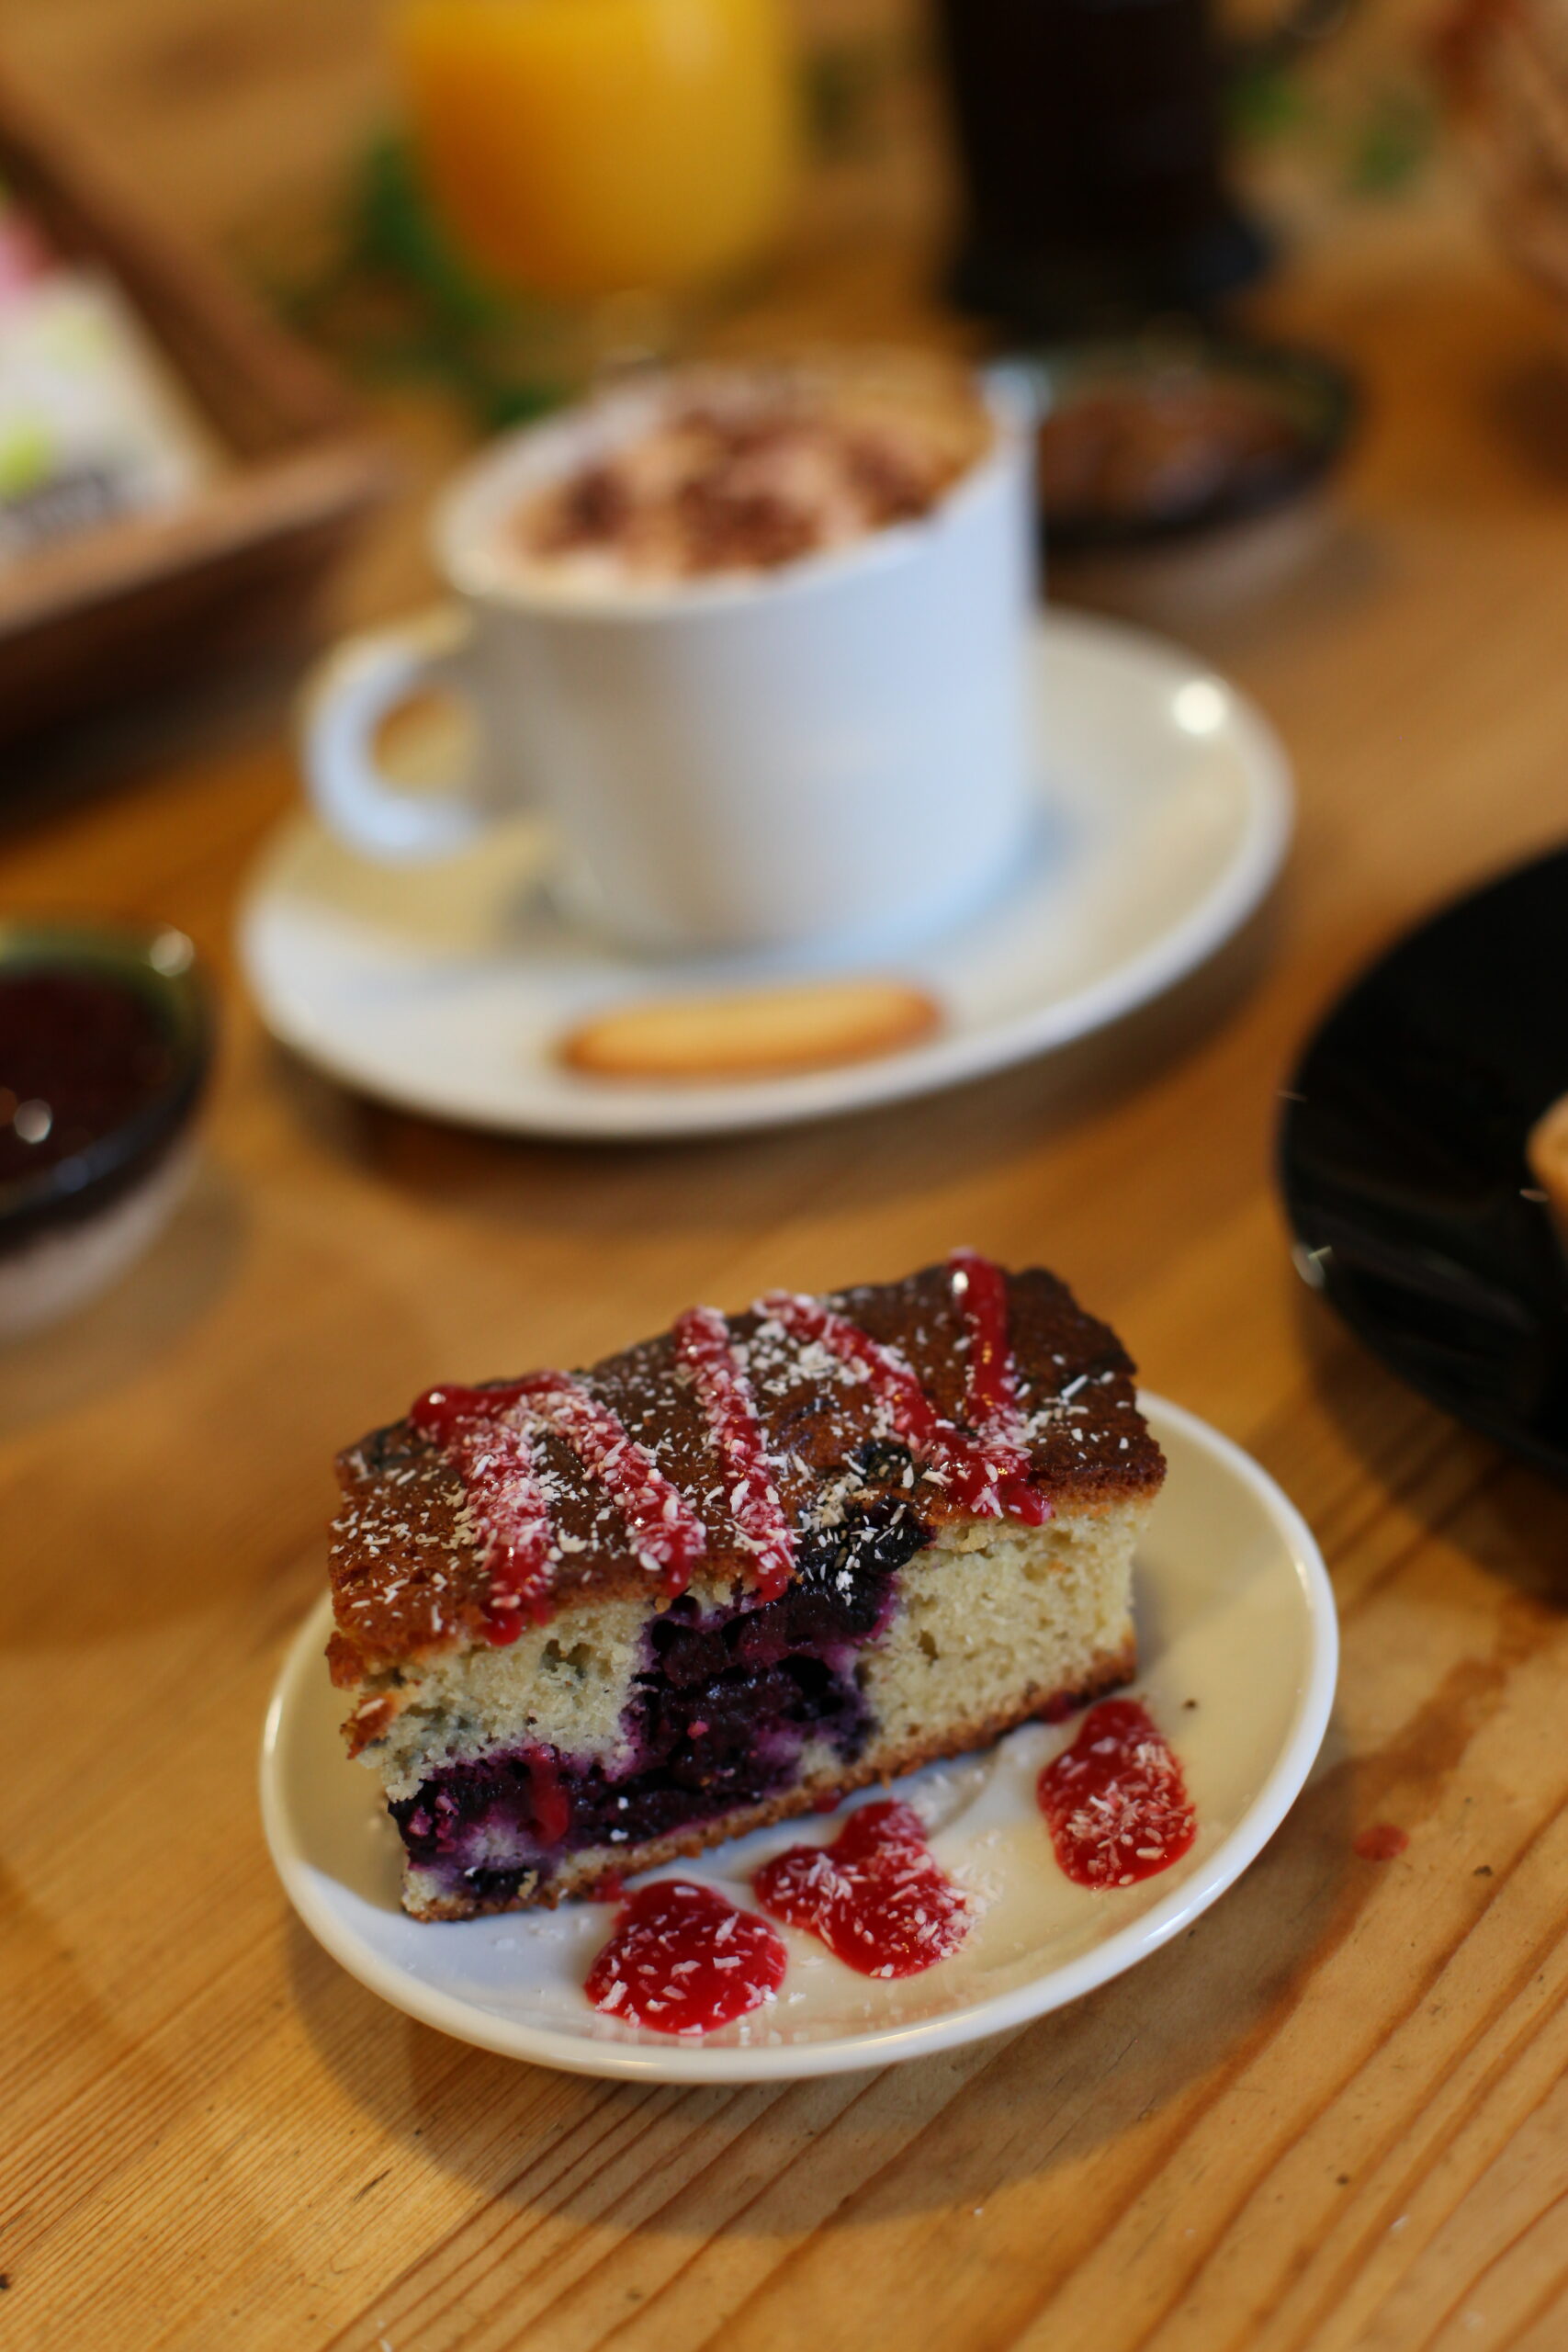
<point x="1089" y="143"/>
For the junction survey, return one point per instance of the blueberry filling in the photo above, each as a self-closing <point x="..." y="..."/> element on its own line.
<point x="719" y="1717"/>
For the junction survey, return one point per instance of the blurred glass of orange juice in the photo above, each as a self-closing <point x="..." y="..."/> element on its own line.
<point x="585" y="148"/>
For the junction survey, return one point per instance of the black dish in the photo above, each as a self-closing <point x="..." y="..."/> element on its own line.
<point x="1402" y="1159"/>
<point x="1310" y="395"/>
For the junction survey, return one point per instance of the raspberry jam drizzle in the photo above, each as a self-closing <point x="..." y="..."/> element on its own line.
<point x="484" y="1432"/>
<point x="704" y="1349"/>
<point x="682" y="1960"/>
<point x="981" y="1478"/>
<point x="493" y="1459"/>
<point x="1115" y="1801"/>
<point x="990" y="1399"/>
<point x="667" y="1536"/>
<point x="878" y="1897"/>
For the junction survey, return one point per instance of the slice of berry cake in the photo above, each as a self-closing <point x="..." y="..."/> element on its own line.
<point x="592" y="1621"/>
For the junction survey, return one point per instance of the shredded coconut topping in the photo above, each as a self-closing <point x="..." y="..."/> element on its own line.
<point x="703" y="1353"/>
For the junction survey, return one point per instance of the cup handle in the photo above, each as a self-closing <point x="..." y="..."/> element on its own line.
<point x="347" y="700"/>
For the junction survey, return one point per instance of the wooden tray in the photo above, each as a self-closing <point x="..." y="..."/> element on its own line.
<point x="142" y="602"/>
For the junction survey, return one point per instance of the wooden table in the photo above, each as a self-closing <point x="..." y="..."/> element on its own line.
<point x="1332" y="2116"/>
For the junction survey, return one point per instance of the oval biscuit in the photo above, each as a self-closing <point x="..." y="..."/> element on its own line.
<point x="755" y="1033"/>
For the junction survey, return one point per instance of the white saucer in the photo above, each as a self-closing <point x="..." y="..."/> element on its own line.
<point x="1234" y="1613"/>
<point x="1165" y="808"/>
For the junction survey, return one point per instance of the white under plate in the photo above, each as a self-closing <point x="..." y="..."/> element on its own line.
<point x="1164" y="812"/>
<point x="1235" y="1615"/>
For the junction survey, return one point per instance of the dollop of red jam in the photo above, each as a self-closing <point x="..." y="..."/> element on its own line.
<point x="682" y="1960"/>
<point x="79" y="1056"/>
<point x="1115" y="1801"/>
<point x="878" y="1897"/>
<point x="1381" y="1841"/>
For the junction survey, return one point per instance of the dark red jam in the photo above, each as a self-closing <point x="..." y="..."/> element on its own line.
<point x="1115" y="1800"/>
<point x="1381" y="1841"/>
<point x="80" y="1056"/>
<point x="682" y="1960"/>
<point x="991" y="1387"/>
<point x="878" y="1897"/>
<point x="552" y="1804"/>
<point x="990" y="1402"/>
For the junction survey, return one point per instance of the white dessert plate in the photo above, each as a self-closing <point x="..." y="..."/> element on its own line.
<point x="1164" y="809"/>
<point x="1239" y="1646"/>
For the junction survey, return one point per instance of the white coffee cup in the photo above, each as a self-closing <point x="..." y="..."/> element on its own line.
<point x="833" y="752"/>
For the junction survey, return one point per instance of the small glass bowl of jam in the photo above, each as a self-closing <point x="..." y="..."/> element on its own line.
<point x="1181" y="471"/>
<point x="106" y="1041"/>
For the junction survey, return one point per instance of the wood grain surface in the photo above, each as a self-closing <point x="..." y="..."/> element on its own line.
<point x="1333" y="2115"/>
